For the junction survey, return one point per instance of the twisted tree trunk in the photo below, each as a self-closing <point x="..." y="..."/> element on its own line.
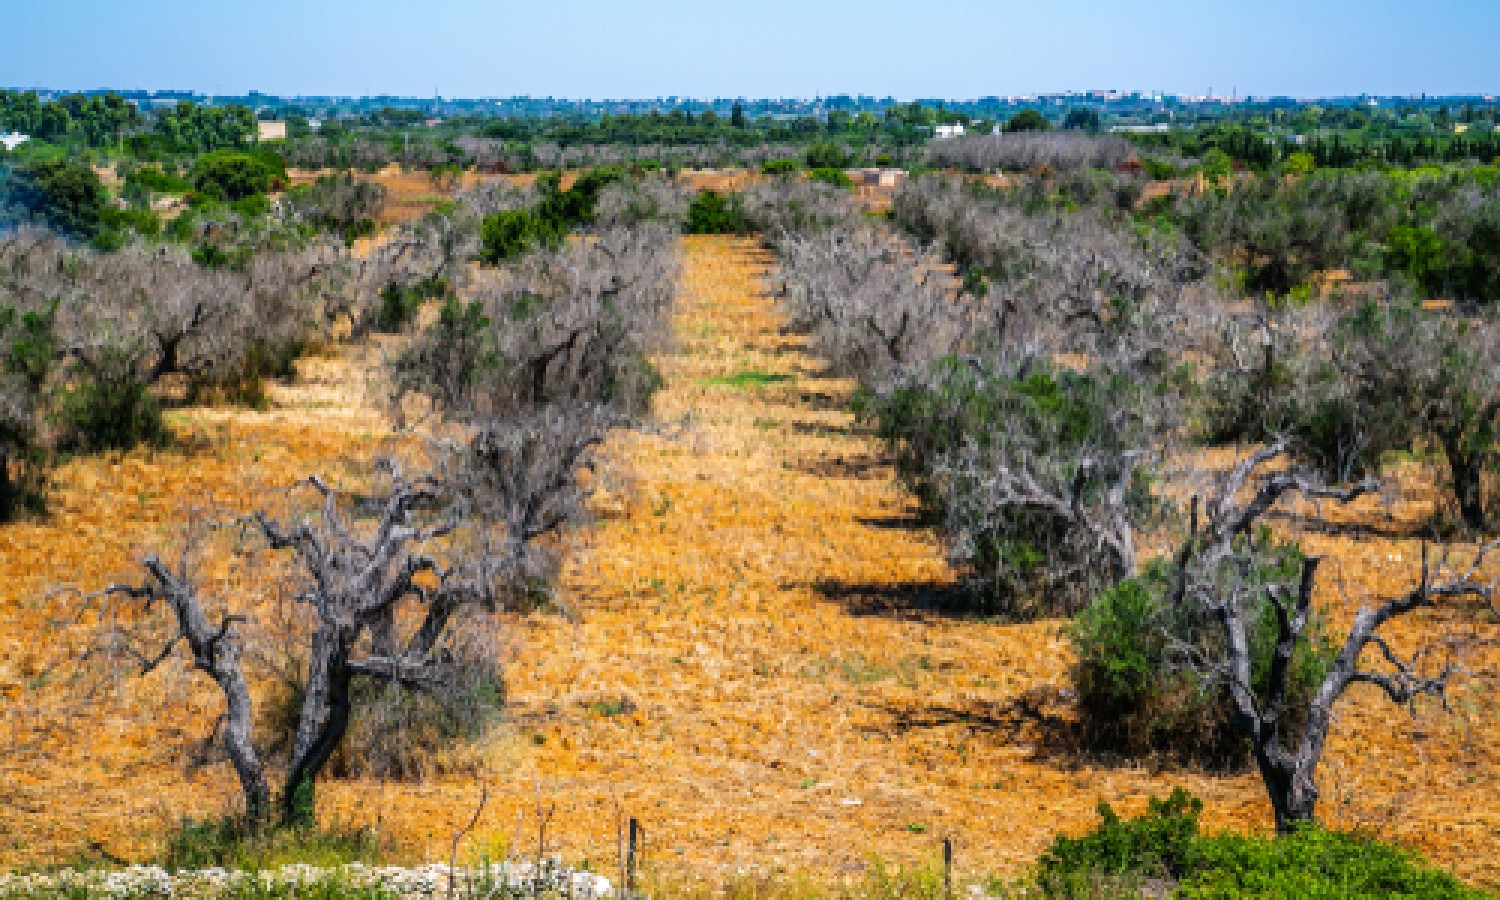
<point x="322" y="724"/>
<point x="1466" y="467"/>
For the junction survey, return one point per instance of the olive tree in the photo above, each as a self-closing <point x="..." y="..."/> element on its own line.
<point x="871" y="305"/>
<point x="1352" y="384"/>
<point x="1213" y="576"/>
<point x="1025" y="150"/>
<point x="1026" y="409"/>
<point x="386" y="577"/>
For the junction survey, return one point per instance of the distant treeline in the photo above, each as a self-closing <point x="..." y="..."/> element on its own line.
<point x="109" y="120"/>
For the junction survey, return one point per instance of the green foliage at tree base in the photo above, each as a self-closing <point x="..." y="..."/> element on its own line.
<point x="107" y="413"/>
<point x="399" y="303"/>
<point x="510" y="233"/>
<point x="1137" y="693"/>
<point x="229" y="844"/>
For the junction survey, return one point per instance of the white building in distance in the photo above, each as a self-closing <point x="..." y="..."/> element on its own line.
<point x="270" y="131"/>
<point x="13" y="139"/>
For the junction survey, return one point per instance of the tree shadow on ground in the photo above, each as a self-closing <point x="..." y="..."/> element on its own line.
<point x="1392" y="530"/>
<point x="903" y="600"/>
<point x="1040" y="719"/>
<point x="1043" y="720"/>
<point x="894" y="523"/>
<point x="821" y="401"/>
<point x="863" y="468"/>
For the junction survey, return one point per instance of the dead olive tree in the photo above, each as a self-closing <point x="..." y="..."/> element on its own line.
<point x="1212" y="576"/>
<point x="530" y="369"/>
<point x="870" y="303"/>
<point x="1355" y="381"/>
<point x="789" y="205"/>
<point x="387" y="579"/>
<point x="632" y="201"/>
<point x="1060" y="151"/>
<point x="571" y="326"/>
<point x="1031" y="438"/>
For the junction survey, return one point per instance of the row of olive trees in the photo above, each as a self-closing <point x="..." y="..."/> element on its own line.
<point x="1025" y="151"/>
<point x="1359" y="381"/>
<point x="89" y="341"/>
<point x="1069" y="328"/>
<point x="1354" y="380"/>
<point x="369" y="153"/>
<point x="1441" y="230"/>
<point x="511" y="382"/>
<point x="1058" y="392"/>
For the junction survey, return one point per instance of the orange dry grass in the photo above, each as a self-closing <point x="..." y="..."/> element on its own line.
<point x="766" y="722"/>
<point x="109" y="770"/>
<point x="409" y="195"/>
<point x="721" y="180"/>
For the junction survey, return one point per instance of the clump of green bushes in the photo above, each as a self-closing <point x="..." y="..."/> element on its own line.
<point x="1166" y="850"/>
<point x="509" y="234"/>
<point x="1140" y="690"/>
<point x="399" y="302"/>
<point x="830" y="175"/>
<point x="715" y="213"/>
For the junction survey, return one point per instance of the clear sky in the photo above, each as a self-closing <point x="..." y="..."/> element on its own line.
<point x="756" y="48"/>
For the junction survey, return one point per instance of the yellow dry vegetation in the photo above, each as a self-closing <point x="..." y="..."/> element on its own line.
<point x="748" y="665"/>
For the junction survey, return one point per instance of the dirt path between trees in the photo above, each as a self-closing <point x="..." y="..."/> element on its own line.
<point x="753" y="666"/>
<point x="760" y="676"/>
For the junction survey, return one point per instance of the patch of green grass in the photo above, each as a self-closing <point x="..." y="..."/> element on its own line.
<point x="608" y="708"/>
<point x="859" y="670"/>
<point x="225" y="843"/>
<point x="747" y="379"/>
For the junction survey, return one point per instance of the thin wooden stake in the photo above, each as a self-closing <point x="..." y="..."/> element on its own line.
<point x="630" y="856"/>
<point x="948" y="867"/>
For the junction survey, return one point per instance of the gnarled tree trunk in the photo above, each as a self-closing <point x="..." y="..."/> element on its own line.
<point x="1467" y="470"/>
<point x="322" y="724"/>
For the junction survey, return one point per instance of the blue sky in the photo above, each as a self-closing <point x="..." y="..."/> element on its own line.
<point x="649" y="48"/>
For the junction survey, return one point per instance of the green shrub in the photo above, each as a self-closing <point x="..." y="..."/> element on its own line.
<point x="28" y="354"/>
<point x="1314" y="863"/>
<point x="1027" y="120"/>
<point x="829" y="175"/>
<point x="1159" y="844"/>
<point x="1165" y="847"/>
<point x="228" y="175"/>
<point x="104" y="412"/>
<point x="141" y="221"/>
<point x="783" y="166"/>
<point x="715" y="213"/>
<point x="67" y="195"/>
<point x="399" y="302"/>
<point x="511" y="233"/>
<point x="1138" y="695"/>
<point x="151" y="178"/>
<point x="827" y="155"/>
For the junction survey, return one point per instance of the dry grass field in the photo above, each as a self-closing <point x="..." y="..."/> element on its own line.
<point x="751" y="664"/>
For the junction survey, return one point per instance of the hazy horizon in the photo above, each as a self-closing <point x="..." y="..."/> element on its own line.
<point x="591" y="49"/>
